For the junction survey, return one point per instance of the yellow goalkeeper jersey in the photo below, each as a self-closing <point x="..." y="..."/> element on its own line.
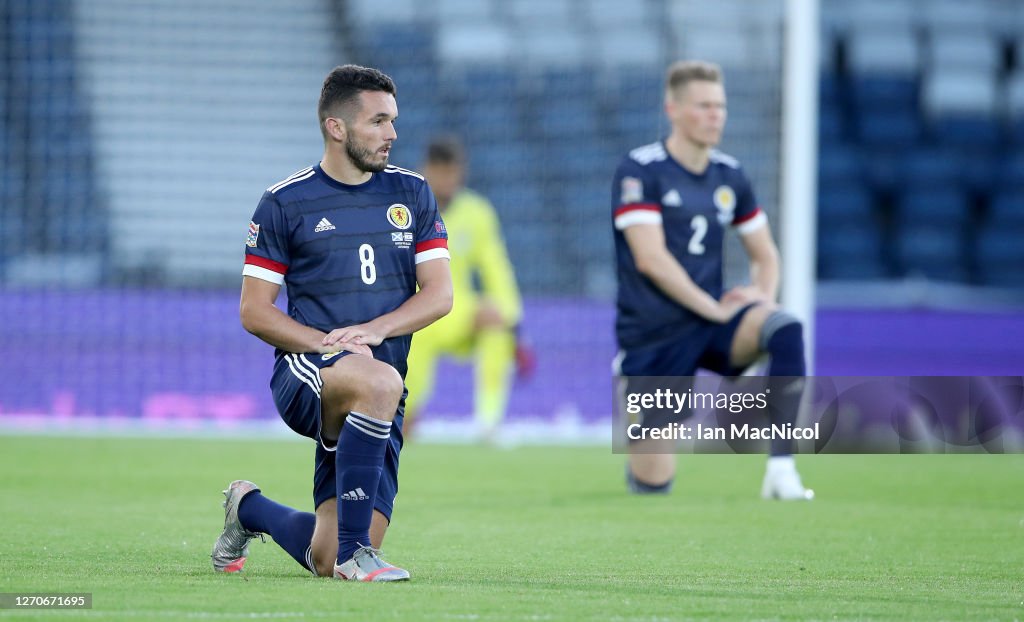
<point x="479" y="260"/>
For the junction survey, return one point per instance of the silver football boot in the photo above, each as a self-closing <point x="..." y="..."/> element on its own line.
<point x="232" y="547"/>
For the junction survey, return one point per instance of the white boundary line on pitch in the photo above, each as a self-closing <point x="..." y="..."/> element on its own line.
<point x="566" y="429"/>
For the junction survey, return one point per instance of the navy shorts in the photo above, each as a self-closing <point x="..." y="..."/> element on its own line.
<point x="296" y="387"/>
<point x="705" y="347"/>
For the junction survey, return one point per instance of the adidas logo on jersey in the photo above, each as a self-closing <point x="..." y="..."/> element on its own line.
<point x="323" y="225"/>
<point x="354" y="495"/>
<point x="672" y="198"/>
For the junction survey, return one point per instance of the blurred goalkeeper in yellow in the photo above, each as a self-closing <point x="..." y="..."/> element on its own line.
<point x="487" y="309"/>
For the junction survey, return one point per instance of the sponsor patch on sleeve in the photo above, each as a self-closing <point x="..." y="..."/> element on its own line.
<point x="254" y="234"/>
<point x="632" y="190"/>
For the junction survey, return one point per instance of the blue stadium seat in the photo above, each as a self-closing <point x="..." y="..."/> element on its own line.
<point x="978" y="170"/>
<point x="422" y="118"/>
<point x="586" y="158"/>
<point x="592" y="241"/>
<point x="573" y="82"/>
<point x="844" y="204"/>
<point x="11" y="194"/>
<point x="931" y="251"/>
<point x="972" y="49"/>
<point x="588" y="200"/>
<point x="831" y="124"/>
<point x="1015" y="132"/>
<point x="534" y="251"/>
<point x="636" y="127"/>
<point x="521" y="202"/>
<point x="487" y="123"/>
<point x="636" y="85"/>
<point x="884" y="170"/>
<point x="927" y="166"/>
<point x="415" y="86"/>
<point x="398" y="42"/>
<point x="831" y="89"/>
<point x="483" y="83"/>
<point x="850" y="252"/>
<point x="999" y="254"/>
<point x="1011" y="170"/>
<point x="839" y="163"/>
<point x="888" y="127"/>
<point x="945" y="206"/>
<point x="892" y="92"/>
<point x="482" y="114"/>
<point x="514" y="161"/>
<point x="967" y="130"/>
<point x="1015" y="101"/>
<point x="1007" y="208"/>
<point x="574" y="119"/>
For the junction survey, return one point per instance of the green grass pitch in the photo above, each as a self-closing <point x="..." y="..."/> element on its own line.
<point x="523" y="534"/>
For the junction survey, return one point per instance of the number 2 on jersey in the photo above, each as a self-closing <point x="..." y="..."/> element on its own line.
<point x="699" y="224"/>
<point x="366" y="268"/>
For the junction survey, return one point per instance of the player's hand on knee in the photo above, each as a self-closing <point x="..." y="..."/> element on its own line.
<point x="346" y="346"/>
<point x="359" y="334"/>
<point x="744" y="295"/>
<point x="728" y="308"/>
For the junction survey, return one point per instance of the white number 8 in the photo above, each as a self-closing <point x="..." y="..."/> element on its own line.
<point x="366" y="268"/>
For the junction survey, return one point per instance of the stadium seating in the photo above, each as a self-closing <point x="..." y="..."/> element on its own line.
<point x="548" y="94"/>
<point x="999" y="252"/>
<point x="853" y="252"/>
<point x="924" y="126"/>
<point x="1015" y="104"/>
<point x="49" y="205"/>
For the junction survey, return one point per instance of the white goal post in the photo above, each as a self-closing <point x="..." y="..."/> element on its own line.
<point x="799" y="164"/>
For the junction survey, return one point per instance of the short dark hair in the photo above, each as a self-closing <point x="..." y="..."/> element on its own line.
<point x="446" y="150"/>
<point x="343" y="85"/>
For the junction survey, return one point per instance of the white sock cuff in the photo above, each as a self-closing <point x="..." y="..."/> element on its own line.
<point x="368" y="425"/>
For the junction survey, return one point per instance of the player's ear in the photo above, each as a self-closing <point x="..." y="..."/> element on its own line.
<point x="335" y="128"/>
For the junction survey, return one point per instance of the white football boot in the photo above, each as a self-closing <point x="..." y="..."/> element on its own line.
<point x="782" y="482"/>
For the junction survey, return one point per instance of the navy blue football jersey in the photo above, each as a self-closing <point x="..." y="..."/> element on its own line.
<point x="346" y="254"/>
<point x="651" y="187"/>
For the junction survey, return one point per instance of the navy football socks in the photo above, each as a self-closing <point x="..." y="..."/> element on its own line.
<point x="358" y="465"/>
<point x="786" y="370"/>
<point x="291" y="529"/>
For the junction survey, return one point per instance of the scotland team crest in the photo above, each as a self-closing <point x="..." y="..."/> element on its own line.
<point x="725" y="201"/>
<point x="399" y="216"/>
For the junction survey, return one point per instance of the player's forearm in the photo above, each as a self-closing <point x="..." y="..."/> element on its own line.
<point x="764" y="274"/>
<point x="671" y="278"/>
<point x="279" y="330"/>
<point x="428" y="305"/>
